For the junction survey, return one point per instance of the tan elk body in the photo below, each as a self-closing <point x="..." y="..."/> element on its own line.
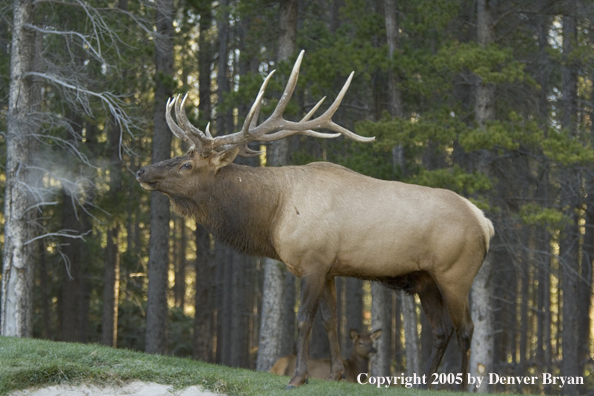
<point x="356" y="364"/>
<point x="323" y="220"/>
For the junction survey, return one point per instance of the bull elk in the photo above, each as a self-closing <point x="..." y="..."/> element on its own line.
<point x="323" y="220"/>
<point x="320" y="368"/>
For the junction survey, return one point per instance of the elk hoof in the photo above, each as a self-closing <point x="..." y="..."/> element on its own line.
<point x="343" y="376"/>
<point x="296" y="384"/>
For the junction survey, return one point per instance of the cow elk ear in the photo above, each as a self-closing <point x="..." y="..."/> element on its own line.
<point x="223" y="158"/>
<point x="376" y="335"/>
<point x="353" y="334"/>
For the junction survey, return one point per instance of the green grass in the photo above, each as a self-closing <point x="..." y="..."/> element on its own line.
<point x="26" y="363"/>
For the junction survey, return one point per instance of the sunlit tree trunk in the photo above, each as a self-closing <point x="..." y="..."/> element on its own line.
<point x="411" y="337"/>
<point x="16" y="316"/>
<point x="274" y="308"/>
<point x="482" y="347"/>
<point x="111" y="271"/>
<point x="179" y="286"/>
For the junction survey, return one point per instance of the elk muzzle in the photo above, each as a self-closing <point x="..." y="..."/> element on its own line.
<point x="142" y="176"/>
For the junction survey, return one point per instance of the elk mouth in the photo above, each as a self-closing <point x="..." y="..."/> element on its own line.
<point x="149" y="186"/>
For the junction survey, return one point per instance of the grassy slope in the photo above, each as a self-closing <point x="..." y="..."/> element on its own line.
<point x="28" y="362"/>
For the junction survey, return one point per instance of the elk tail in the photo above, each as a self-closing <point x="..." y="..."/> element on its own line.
<point x="485" y="223"/>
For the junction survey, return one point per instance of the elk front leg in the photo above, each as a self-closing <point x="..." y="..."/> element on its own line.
<point x="328" y="311"/>
<point x="311" y="291"/>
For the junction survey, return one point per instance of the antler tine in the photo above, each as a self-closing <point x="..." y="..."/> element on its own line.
<point x="247" y="152"/>
<point x="289" y="89"/>
<point x="313" y="110"/>
<point x="252" y="118"/>
<point x="175" y="129"/>
<point x="207" y="131"/>
<point x="325" y="120"/>
<point x="182" y="117"/>
<point x="334" y="106"/>
<point x="288" y="132"/>
<point x="309" y="132"/>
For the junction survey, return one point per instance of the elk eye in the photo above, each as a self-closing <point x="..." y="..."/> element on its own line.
<point x="187" y="165"/>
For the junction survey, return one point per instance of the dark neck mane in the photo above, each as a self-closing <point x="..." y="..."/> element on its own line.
<point x="238" y="208"/>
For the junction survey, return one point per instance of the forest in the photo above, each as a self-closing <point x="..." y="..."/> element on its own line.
<point x="490" y="99"/>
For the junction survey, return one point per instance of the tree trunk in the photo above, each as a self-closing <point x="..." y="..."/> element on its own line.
<point x="287" y="43"/>
<point x="75" y="290"/>
<point x="111" y="273"/>
<point x="481" y="357"/>
<point x="111" y="289"/>
<point x="239" y="340"/>
<point x="156" y="315"/>
<point x="395" y="96"/>
<point x="353" y="310"/>
<point x="224" y="302"/>
<point x="47" y="332"/>
<point x="205" y="272"/>
<point x="392" y="34"/>
<point x="569" y="240"/>
<point x="586" y="268"/>
<point x="179" y="287"/>
<point x="411" y="337"/>
<point x="17" y="272"/>
<point x="381" y="318"/>
<point x="482" y="346"/>
<point x="270" y="314"/>
<point x="524" y="272"/>
<point x="203" y="317"/>
<point x="275" y="320"/>
<point x="288" y="316"/>
<point x="224" y="123"/>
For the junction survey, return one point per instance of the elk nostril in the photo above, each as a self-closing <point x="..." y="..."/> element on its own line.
<point x="140" y="173"/>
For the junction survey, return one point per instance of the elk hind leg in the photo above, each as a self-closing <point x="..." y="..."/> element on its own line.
<point x="311" y="290"/>
<point x="441" y="325"/>
<point x="457" y="302"/>
<point x="328" y="311"/>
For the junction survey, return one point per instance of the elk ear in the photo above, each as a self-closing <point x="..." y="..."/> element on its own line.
<point x="353" y="334"/>
<point x="376" y="335"/>
<point x="223" y="158"/>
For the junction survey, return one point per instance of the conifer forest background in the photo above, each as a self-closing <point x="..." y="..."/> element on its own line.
<point x="491" y="99"/>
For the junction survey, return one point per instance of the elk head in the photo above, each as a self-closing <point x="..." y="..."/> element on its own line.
<point x="186" y="175"/>
<point x="363" y="343"/>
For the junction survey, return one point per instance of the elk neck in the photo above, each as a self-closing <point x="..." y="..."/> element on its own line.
<point x="238" y="206"/>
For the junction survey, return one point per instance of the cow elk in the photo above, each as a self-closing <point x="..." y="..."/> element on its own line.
<point x="320" y="368"/>
<point x="323" y="220"/>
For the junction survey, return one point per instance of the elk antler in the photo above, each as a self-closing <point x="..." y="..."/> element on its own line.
<point x="274" y="128"/>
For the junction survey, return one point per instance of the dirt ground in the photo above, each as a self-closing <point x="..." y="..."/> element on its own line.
<point x="136" y="388"/>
